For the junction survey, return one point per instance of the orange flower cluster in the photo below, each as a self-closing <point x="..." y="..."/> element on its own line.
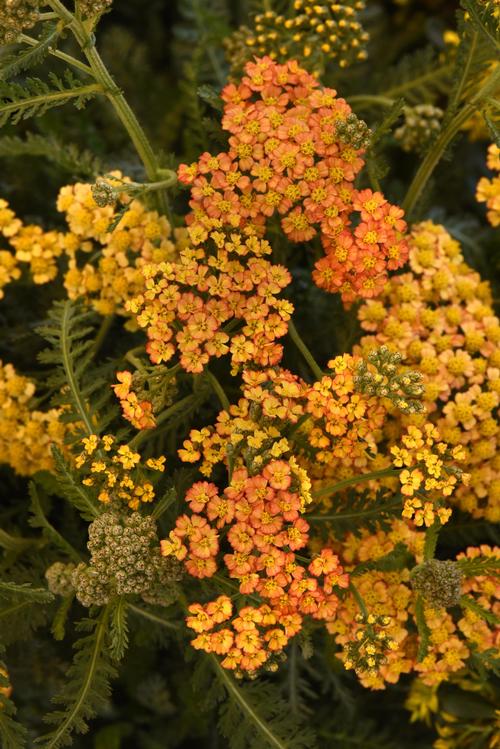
<point x="422" y="459"/>
<point x="251" y="433"/>
<point x="289" y="153"/>
<point x="388" y="594"/>
<point x="439" y="316"/>
<point x="138" y="412"/>
<point x="192" y="305"/>
<point x="260" y="518"/>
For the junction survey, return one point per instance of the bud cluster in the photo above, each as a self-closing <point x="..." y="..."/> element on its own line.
<point x="438" y="582"/>
<point x="125" y="559"/>
<point x="353" y="131"/>
<point x="15" y="17"/>
<point x="403" y="388"/>
<point x="307" y="30"/>
<point x="421" y="124"/>
<point x="92" y="8"/>
<point x="367" y="651"/>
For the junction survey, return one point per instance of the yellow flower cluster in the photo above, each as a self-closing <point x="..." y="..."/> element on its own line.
<point x="422" y="458"/>
<point x="488" y="190"/>
<point x="26" y="434"/>
<point x="115" y="472"/>
<point x="388" y="594"/>
<point x="439" y="316"/>
<point x="105" y="247"/>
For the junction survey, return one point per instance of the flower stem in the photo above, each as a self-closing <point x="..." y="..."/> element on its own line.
<point x="359" y="599"/>
<point x="327" y="490"/>
<point x="444" y="139"/>
<point x="294" y="335"/>
<point x="125" y="114"/>
<point x="218" y="390"/>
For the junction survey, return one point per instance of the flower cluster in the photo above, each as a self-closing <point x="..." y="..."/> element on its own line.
<point x="367" y="651"/>
<point x="315" y="33"/>
<point x="421" y="124"/>
<point x="125" y="560"/>
<point x="425" y="463"/>
<point x="259" y="517"/>
<point x="439" y="316"/>
<point x="125" y="244"/>
<point x="438" y="582"/>
<point x="389" y="594"/>
<point x="16" y="16"/>
<point x="404" y="389"/>
<point x="250" y="434"/>
<point x="488" y="190"/>
<point x="287" y="156"/>
<point x="26" y="433"/>
<point x="190" y="305"/>
<point x="116" y="474"/>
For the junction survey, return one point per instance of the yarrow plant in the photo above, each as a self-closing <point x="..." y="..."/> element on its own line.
<point x="249" y="376"/>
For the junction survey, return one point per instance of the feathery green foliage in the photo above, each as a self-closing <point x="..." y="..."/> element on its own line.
<point x="80" y="388"/>
<point x="88" y="684"/>
<point x="254" y="715"/>
<point x="34" y="97"/>
<point x="67" y="156"/>
<point x="38" y="520"/>
<point x="360" y="511"/>
<point x="72" y="489"/>
<point x="31" y="56"/>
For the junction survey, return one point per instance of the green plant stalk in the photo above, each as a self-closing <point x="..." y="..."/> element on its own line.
<point x="32" y="42"/>
<point x="294" y="335"/>
<point x="115" y="96"/>
<point x="326" y="490"/>
<point x="440" y="145"/>
<point x="351" y="515"/>
<point x="218" y="390"/>
<point x="359" y="599"/>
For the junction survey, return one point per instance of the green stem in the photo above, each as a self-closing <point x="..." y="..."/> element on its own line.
<point x="440" y="145"/>
<point x="370" y="100"/>
<point x="60" y="55"/>
<point x="115" y="96"/>
<point x="327" y="490"/>
<point x="218" y="390"/>
<point x="352" y="515"/>
<point x="359" y="599"/>
<point x="152" y="617"/>
<point x="431" y="539"/>
<point x="139" y="438"/>
<point x="294" y="335"/>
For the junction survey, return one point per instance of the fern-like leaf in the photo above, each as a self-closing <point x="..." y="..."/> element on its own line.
<point x="88" y="685"/>
<point x="480" y="566"/>
<point x="34" y="97"/>
<point x="255" y="716"/>
<point x="22" y="610"/>
<point x="29" y="57"/>
<point x="79" y="389"/>
<point x="119" y="629"/>
<point x="482" y="16"/>
<point x="72" y="489"/>
<point x="424" y="632"/>
<point x="467" y="602"/>
<point x="359" y="511"/>
<point x="66" y="155"/>
<point x="419" y="77"/>
<point x="38" y="520"/>
<point x="397" y="559"/>
<point x="12" y="734"/>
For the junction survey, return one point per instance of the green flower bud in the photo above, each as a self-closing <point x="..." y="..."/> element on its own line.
<point x="438" y="582"/>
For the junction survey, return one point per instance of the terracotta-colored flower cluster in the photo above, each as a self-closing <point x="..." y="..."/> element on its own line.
<point x="439" y="316"/>
<point x="257" y="519"/>
<point x="116" y="473"/>
<point x="292" y="154"/>
<point x="191" y="306"/>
